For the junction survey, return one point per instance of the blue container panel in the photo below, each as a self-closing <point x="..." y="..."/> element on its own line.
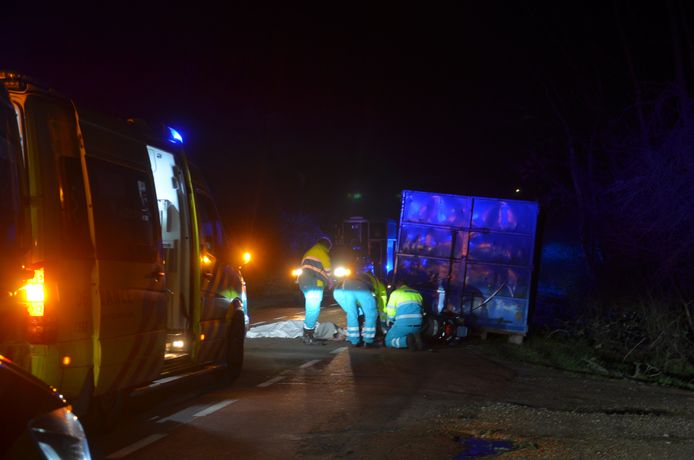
<point x="457" y="278"/>
<point x="484" y="280"/>
<point x="504" y="216"/>
<point x="462" y="241"/>
<point x="474" y="246"/>
<point x="433" y="209"/>
<point x="454" y="300"/>
<point x="426" y="241"/>
<point x="500" y="313"/>
<point x="501" y="248"/>
<point x="455" y="287"/>
<point x="422" y="272"/>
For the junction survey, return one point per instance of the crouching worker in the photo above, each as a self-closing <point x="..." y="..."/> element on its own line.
<point x="404" y="311"/>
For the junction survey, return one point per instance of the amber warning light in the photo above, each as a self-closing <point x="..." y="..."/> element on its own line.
<point x="34" y="293"/>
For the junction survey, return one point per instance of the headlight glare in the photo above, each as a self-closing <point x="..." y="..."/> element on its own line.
<point x="59" y="435"/>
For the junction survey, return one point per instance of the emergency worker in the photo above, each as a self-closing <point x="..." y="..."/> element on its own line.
<point x="355" y="293"/>
<point x="404" y="312"/>
<point x="381" y="295"/>
<point x="314" y="278"/>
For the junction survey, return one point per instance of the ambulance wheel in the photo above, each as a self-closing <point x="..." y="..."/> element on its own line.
<point x="237" y="335"/>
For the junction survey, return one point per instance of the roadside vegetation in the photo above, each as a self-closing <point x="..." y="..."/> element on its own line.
<point x="648" y="342"/>
<point x="622" y="305"/>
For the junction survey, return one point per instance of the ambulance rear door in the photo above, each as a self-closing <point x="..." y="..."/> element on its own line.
<point x="174" y="216"/>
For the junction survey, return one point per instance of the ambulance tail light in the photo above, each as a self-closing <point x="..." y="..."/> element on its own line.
<point x="34" y="293"/>
<point x="40" y="327"/>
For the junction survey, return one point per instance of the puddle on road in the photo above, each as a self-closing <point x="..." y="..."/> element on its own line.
<point x="478" y="447"/>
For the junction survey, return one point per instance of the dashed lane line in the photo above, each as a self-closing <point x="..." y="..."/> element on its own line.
<point x="309" y="363"/>
<point x="271" y="381"/>
<point x="144" y="442"/>
<point x="214" y="408"/>
<point x="183" y="415"/>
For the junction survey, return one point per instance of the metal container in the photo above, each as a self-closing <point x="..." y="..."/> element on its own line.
<point x="481" y="250"/>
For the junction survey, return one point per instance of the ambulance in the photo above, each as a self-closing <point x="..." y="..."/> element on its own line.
<point x="115" y="274"/>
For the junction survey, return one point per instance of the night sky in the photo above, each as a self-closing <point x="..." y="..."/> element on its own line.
<point x="289" y="110"/>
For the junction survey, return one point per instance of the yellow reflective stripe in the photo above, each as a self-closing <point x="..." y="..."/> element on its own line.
<point x="314" y="269"/>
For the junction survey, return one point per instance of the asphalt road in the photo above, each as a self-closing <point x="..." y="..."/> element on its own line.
<point x="330" y="401"/>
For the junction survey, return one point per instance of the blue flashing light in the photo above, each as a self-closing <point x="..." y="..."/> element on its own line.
<point x="175" y="136"/>
<point x="390" y="255"/>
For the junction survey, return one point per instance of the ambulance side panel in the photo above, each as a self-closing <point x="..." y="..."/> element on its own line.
<point x="131" y="325"/>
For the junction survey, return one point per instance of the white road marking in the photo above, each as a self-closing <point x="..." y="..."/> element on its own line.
<point x="182" y="416"/>
<point x="258" y="323"/>
<point x="214" y="408"/>
<point x="166" y="380"/>
<point x="309" y="363"/>
<point x="271" y="381"/>
<point x="144" y="442"/>
<point x="338" y="350"/>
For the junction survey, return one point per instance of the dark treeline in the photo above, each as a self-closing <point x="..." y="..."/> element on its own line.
<point x="623" y="173"/>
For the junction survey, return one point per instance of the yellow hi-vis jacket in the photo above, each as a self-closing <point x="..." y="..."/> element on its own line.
<point x="404" y="302"/>
<point x="381" y="295"/>
<point x="315" y="266"/>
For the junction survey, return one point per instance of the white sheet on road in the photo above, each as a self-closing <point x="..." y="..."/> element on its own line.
<point x="295" y="328"/>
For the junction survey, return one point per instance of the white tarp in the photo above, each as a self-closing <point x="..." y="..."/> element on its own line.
<point x="295" y="328"/>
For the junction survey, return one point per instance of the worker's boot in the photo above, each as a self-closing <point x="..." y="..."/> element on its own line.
<point x="308" y="337"/>
<point x="411" y="342"/>
<point x="418" y="342"/>
<point x="415" y="342"/>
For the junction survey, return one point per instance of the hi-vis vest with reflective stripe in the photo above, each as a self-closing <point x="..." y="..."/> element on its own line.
<point x="381" y="295"/>
<point x="404" y="303"/>
<point x="316" y="265"/>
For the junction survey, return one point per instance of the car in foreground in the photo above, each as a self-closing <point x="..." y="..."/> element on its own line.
<point x="37" y="422"/>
